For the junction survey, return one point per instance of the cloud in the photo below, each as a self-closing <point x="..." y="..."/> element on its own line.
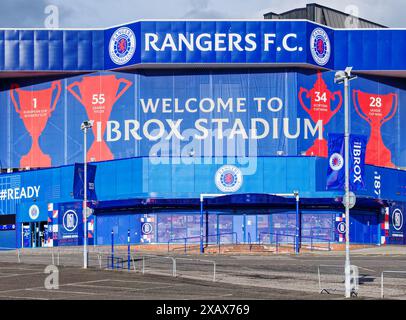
<point x="201" y="9"/>
<point x="96" y="13"/>
<point x="29" y="14"/>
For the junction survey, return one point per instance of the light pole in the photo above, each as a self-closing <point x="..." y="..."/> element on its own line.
<point x="86" y="125"/>
<point x="345" y="77"/>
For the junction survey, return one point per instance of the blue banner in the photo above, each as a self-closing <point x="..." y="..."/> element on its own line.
<point x="358" y="145"/>
<point x="27" y="236"/>
<point x="336" y="162"/>
<point x="335" y="169"/>
<point x="78" y="181"/>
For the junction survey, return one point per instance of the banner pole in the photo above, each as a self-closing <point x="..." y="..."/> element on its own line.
<point x="85" y="201"/>
<point x="128" y="250"/>
<point x="347" y="190"/>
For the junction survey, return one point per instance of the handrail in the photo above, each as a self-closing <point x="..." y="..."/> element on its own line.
<point x="249" y="241"/>
<point x="328" y="241"/>
<point x="218" y="235"/>
<point x="277" y="235"/>
<point x="312" y="238"/>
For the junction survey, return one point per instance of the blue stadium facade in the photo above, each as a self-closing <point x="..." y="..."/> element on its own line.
<point x="183" y="109"/>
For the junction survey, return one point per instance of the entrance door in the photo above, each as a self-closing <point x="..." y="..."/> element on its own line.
<point x="251" y="228"/>
<point x="34" y="234"/>
<point x="364" y="228"/>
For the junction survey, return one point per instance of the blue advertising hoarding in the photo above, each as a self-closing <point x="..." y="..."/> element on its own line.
<point x="215" y="42"/>
<point x="155" y="114"/>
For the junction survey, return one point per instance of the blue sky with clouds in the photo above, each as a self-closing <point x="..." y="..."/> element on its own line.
<point x="103" y="13"/>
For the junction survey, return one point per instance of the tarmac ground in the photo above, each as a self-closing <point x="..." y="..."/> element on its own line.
<point x="199" y="277"/>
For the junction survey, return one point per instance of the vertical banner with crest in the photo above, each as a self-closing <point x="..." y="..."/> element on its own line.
<point x="78" y="181"/>
<point x="336" y="170"/>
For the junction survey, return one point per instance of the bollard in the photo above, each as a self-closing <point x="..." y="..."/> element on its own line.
<point x="128" y="250"/>
<point x="112" y="249"/>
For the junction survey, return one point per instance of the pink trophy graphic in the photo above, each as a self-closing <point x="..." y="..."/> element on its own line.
<point x="35" y="108"/>
<point x="98" y="94"/>
<point x="376" y="109"/>
<point x="320" y="109"/>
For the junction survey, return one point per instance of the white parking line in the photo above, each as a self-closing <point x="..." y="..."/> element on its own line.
<point x="122" y="288"/>
<point x="209" y="297"/>
<point x="14" y="269"/>
<point x="62" y="291"/>
<point x="42" y="287"/>
<point x="26" y="298"/>
<point x="137" y="281"/>
<point x="20" y="274"/>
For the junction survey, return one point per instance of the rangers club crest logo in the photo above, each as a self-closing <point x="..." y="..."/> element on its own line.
<point x="122" y="46"/>
<point x="70" y="220"/>
<point x="336" y="161"/>
<point x="320" y="46"/>
<point x="229" y="179"/>
<point x="397" y="219"/>
<point x="33" y="212"/>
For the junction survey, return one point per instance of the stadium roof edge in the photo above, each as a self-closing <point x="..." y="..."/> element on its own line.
<point x="196" y="20"/>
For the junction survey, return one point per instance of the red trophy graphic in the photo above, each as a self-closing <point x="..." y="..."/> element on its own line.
<point x="376" y="109"/>
<point x="35" y="108"/>
<point x="320" y="109"/>
<point x="98" y="94"/>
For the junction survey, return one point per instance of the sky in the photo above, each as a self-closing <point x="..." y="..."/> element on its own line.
<point x="102" y="13"/>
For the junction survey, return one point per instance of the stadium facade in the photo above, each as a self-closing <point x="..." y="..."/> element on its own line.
<point x="184" y="109"/>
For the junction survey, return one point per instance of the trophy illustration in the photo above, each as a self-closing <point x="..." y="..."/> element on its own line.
<point x="376" y="109"/>
<point x="98" y="94"/>
<point x="35" y="108"/>
<point x="320" y="109"/>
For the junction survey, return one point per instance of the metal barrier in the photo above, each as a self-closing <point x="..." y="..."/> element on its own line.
<point x="278" y="242"/>
<point x="202" y="260"/>
<point x="217" y="235"/>
<point x="354" y="282"/>
<point x="328" y="290"/>
<point x="388" y="271"/>
<point x="114" y="263"/>
<point x="152" y="257"/>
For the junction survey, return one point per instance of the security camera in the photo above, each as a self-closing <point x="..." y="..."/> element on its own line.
<point x="87" y="124"/>
<point x="340" y="76"/>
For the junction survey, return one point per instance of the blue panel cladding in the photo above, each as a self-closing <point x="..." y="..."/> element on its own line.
<point x="139" y="178"/>
<point x="56" y="50"/>
<point x="8" y="239"/>
<point x="26" y="49"/>
<point x="70" y="50"/>
<point x="41" y="50"/>
<point x="119" y="223"/>
<point x="85" y="52"/>
<point x="12" y="53"/>
<point x="2" y="49"/>
<point x="97" y="47"/>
